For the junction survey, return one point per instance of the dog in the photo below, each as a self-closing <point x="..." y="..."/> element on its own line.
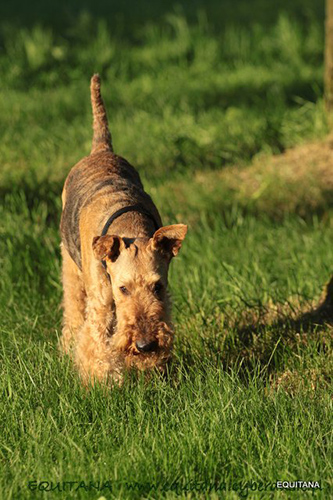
<point x="115" y="259"/>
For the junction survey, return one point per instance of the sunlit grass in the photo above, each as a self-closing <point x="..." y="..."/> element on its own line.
<point x="198" y="111"/>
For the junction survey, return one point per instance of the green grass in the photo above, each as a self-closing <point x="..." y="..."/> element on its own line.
<point x="193" y="97"/>
<point x="207" y="99"/>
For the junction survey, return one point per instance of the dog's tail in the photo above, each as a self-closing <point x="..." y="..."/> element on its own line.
<point x="101" y="137"/>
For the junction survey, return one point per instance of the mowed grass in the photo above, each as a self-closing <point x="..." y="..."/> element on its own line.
<point x="248" y="398"/>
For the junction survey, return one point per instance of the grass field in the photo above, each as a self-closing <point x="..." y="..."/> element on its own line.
<point x="200" y="98"/>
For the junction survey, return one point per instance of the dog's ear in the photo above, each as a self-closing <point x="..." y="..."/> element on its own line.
<point x="107" y="247"/>
<point x="168" y="239"/>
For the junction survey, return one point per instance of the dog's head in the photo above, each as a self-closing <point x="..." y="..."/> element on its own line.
<point x="138" y="270"/>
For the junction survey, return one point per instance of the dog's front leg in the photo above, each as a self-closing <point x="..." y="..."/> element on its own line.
<point x="93" y="354"/>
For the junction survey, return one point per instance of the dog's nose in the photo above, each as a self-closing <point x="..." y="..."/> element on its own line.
<point x="146" y="346"/>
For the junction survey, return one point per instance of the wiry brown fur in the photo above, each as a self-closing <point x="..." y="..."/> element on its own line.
<point x="109" y="322"/>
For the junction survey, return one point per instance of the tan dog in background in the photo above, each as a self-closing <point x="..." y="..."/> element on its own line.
<point x="116" y="256"/>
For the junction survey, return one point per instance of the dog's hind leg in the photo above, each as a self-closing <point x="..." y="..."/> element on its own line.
<point x="74" y="301"/>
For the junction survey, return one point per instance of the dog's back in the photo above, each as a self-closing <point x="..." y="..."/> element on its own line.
<point x="101" y="176"/>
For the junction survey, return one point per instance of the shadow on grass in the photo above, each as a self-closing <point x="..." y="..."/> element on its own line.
<point x="265" y="345"/>
<point x="307" y="322"/>
<point x="268" y="344"/>
<point x="127" y="18"/>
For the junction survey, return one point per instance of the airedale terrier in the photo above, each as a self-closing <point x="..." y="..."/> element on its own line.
<point x="116" y="256"/>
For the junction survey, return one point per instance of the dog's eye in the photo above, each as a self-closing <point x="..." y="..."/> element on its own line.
<point x="124" y="290"/>
<point x="158" y="287"/>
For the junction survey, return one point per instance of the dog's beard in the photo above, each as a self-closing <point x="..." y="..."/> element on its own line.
<point x="124" y="343"/>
